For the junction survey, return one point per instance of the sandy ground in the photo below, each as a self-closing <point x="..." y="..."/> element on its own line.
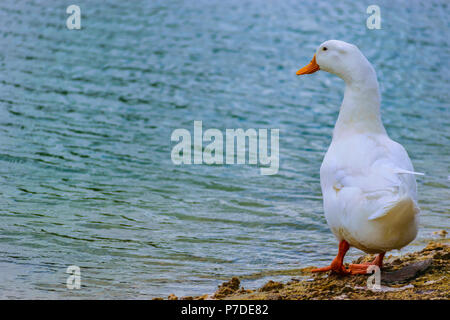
<point x="418" y="275"/>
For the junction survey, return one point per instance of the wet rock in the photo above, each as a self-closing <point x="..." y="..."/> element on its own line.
<point x="271" y="286"/>
<point x="441" y="233"/>
<point x="408" y="272"/>
<point x="227" y="288"/>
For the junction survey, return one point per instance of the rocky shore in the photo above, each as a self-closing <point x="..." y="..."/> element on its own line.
<point x="418" y="275"/>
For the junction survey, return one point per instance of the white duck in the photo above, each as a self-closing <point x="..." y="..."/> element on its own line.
<point x="367" y="180"/>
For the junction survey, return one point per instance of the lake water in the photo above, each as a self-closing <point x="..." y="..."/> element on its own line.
<point x="86" y="118"/>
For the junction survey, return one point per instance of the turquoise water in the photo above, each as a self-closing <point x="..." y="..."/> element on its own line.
<point x="86" y="117"/>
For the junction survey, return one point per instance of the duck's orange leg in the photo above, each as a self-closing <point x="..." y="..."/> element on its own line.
<point x="362" y="268"/>
<point x="337" y="265"/>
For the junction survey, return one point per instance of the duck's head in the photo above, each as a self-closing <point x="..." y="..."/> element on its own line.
<point x="338" y="57"/>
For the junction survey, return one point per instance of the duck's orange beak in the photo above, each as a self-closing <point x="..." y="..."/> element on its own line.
<point x="310" y="68"/>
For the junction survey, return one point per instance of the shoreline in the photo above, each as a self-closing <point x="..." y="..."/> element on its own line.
<point x="420" y="275"/>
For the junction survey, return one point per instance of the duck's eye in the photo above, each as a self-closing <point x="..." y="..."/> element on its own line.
<point x="324" y="48"/>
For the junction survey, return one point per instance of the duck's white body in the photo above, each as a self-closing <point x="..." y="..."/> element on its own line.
<point x="367" y="180"/>
<point x="369" y="200"/>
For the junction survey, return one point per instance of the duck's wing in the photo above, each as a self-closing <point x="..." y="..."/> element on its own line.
<point x="375" y="171"/>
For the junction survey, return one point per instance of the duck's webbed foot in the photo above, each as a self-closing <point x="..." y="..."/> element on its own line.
<point x="362" y="268"/>
<point x="340" y="269"/>
<point x="337" y="265"/>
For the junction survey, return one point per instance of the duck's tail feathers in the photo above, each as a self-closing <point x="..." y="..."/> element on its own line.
<point x="397" y="210"/>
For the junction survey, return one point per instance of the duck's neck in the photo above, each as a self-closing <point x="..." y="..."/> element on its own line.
<point x="360" y="109"/>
